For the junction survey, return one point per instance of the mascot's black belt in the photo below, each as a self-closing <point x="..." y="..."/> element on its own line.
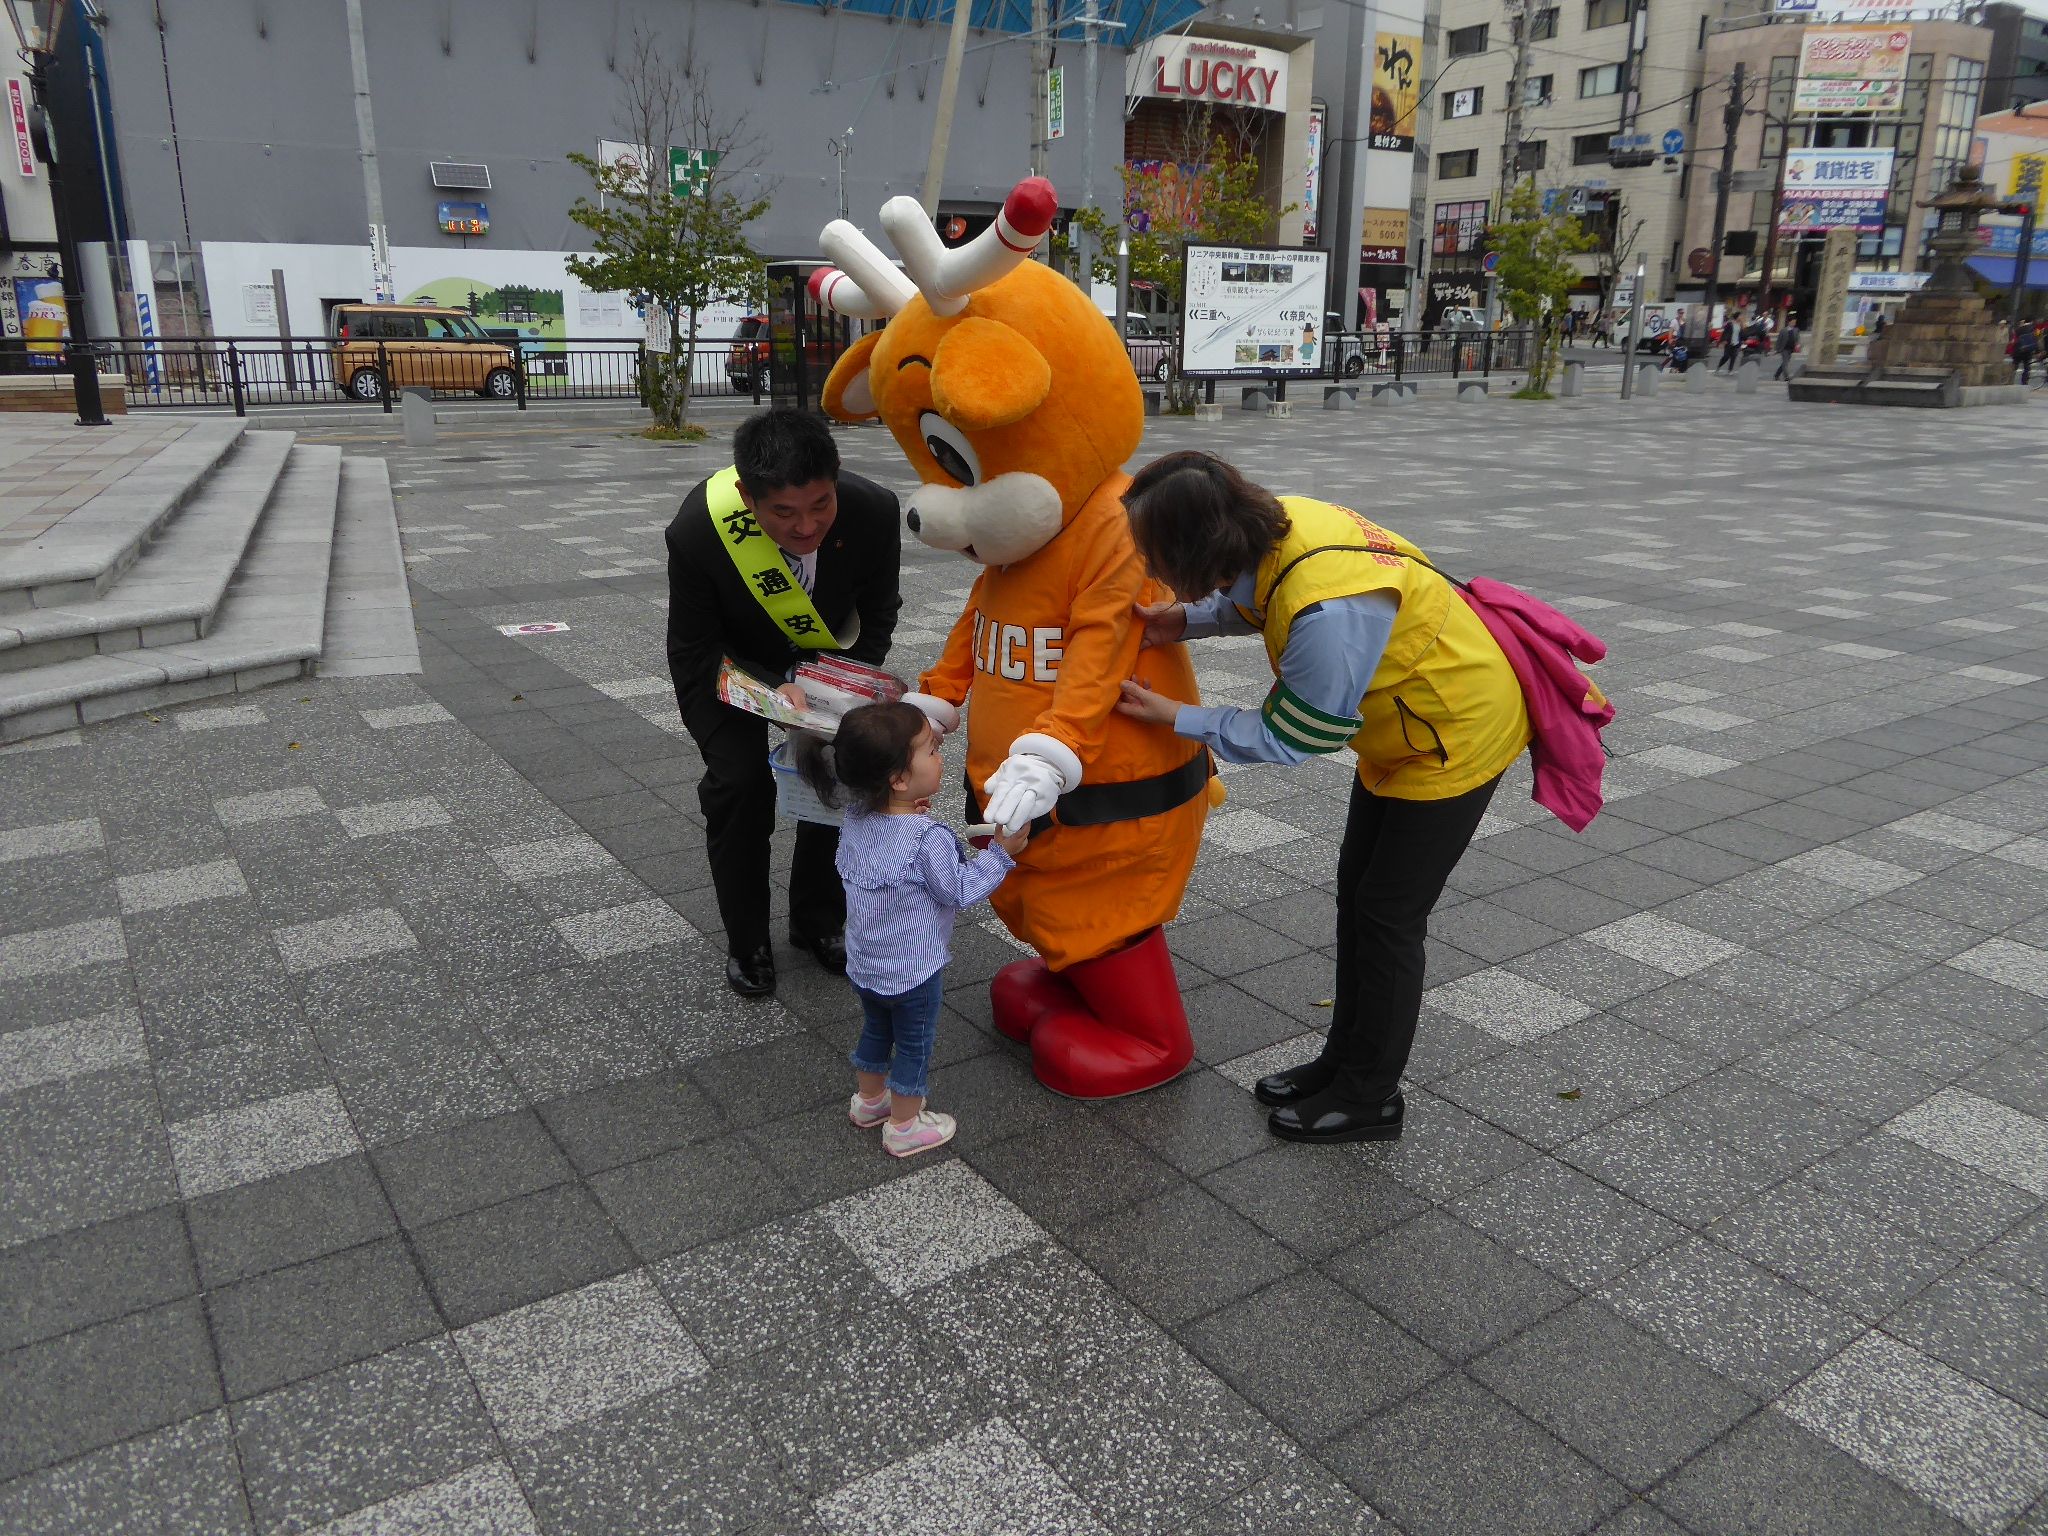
<point x="1097" y="805"/>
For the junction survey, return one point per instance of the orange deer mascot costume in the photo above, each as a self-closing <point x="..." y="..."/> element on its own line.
<point x="1017" y="405"/>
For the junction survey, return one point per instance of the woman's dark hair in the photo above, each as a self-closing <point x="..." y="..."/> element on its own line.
<point x="1199" y="523"/>
<point x="873" y="746"/>
<point x="781" y="447"/>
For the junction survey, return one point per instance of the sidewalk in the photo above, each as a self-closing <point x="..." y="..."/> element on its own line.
<point x="379" y="1144"/>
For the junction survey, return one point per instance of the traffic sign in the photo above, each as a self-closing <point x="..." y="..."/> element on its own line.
<point x="1628" y="143"/>
<point x="1674" y="141"/>
<point x="1492" y="260"/>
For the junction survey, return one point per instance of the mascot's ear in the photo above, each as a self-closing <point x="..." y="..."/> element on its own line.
<point x="847" y="396"/>
<point x="987" y="375"/>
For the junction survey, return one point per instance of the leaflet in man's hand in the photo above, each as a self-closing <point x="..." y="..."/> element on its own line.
<point x="831" y="685"/>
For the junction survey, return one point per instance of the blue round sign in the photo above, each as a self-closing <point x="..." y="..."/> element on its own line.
<point x="1490" y="261"/>
<point x="1674" y="141"/>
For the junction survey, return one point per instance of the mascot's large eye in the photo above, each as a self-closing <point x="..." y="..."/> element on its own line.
<point x="950" y="447"/>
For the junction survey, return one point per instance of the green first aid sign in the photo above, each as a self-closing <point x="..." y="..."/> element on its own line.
<point x="689" y="171"/>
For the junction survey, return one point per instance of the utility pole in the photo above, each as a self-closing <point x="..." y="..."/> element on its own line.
<point x="1511" y="143"/>
<point x="85" y="377"/>
<point x="366" y="148"/>
<point x="1085" y="241"/>
<point x="1041" y="64"/>
<point x="1731" y="120"/>
<point x="1777" y="200"/>
<point x="949" y="91"/>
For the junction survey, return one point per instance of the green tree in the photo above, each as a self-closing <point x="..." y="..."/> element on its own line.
<point x="1207" y="195"/>
<point x="1534" y="251"/>
<point x="681" y="245"/>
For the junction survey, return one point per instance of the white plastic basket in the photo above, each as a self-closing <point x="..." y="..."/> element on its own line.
<point x="794" y="796"/>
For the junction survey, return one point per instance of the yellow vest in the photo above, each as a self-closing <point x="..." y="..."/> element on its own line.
<point x="1444" y="712"/>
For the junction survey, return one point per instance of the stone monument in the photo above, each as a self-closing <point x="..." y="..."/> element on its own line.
<point x="1945" y="348"/>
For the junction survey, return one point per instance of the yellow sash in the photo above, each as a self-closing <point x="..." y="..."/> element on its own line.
<point x="761" y="565"/>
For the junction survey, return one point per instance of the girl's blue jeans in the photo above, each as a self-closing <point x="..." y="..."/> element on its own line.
<point x="905" y="1025"/>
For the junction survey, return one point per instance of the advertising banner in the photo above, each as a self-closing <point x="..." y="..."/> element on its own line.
<point x="1835" y="189"/>
<point x="1383" y="236"/>
<point x="1850" y="10"/>
<point x="17" y="122"/>
<point x="1252" y="311"/>
<point x="1312" y="177"/>
<point x="1396" y="90"/>
<point x="1852" y="69"/>
<point x="1207" y="69"/>
<point x="1056" y="102"/>
<point x="2029" y="174"/>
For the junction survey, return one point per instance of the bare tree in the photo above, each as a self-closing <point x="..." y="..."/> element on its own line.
<point x="1614" y="255"/>
<point x="671" y="228"/>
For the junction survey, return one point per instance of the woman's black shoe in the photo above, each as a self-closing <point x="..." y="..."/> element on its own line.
<point x="1312" y="1121"/>
<point x="1293" y="1085"/>
<point x="751" y="975"/>
<point x="828" y="949"/>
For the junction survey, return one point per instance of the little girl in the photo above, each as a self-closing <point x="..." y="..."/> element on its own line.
<point x="906" y="879"/>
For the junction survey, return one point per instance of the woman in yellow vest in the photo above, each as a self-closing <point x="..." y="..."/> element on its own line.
<point x="1372" y="650"/>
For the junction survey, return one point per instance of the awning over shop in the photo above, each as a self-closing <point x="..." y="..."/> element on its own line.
<point x="1997" y="270"/>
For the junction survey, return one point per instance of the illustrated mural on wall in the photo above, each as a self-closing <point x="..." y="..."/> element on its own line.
<point x="1017" y="406"/>
<point x="536" y="313"/>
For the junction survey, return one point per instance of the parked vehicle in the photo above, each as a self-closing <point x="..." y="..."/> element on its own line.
<point x="1150" y="344"/>
<point x="1658" y="334"/>
<point x="420" y="344"/>
<point x="750" y="366"/>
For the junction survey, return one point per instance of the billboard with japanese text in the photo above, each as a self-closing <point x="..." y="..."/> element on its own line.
<point x="1852" y="69"/>
<point x="1252" y="311"/>
<point x="1835" y="189"/>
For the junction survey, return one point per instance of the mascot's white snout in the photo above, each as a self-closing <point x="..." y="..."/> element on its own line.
<point x="997" y="522"/>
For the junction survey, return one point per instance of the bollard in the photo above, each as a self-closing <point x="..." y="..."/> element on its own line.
<point x="1389" y="394"/>
<point x="1696" y="380"/>
<point x="1208" y="410"/>
<point x="1256" y="397"/>
<point x="1646" y="378"/>
<point x="1747" y="377"/>
<point x="1573" y="383"/>
<point x="1155" y="401"/>
<point x="1472" y="392"/>
<point x="1340" y="397"/>
<point x="417" y="409"/>
<point x="1280" y="408"/>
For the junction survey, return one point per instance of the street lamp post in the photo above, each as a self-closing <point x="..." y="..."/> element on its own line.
<point x="1635" y="333"/>
<point x="85" y="377"/>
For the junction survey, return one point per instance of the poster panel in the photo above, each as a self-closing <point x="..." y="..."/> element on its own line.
<point x="1396" y="90"/>
<point x="1835" y="189"/>
<point x="1252" y="311"/>
<point x="1852" y="69"/>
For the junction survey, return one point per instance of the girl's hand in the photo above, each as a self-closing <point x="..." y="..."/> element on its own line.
<point x="1141" y="703"/>
<point x="1013" y="843"/>
<point x="794" y="696"/>
<point x="1164" y="623"/>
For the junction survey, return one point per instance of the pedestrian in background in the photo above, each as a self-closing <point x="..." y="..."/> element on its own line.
<point x="1731" y="343"/>
<point x="1788" y="343"/>
<point x="2025" y="347"/>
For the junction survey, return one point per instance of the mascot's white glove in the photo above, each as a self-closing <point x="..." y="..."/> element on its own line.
<point x="946" y="717"/>
<point x="1030" y="780"/>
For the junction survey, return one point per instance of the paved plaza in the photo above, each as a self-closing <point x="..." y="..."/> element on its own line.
<point x="381" y="1151"/>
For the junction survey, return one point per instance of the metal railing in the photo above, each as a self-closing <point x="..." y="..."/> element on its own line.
<point x="1455" y="353"/>
<point x="245" y="372"/>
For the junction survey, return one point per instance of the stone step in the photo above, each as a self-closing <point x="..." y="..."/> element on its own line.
<point x="85" y="554"/>
<point x="170" y="594"/>
<point x="267" y="629"/>
<point x="370" y="630"/>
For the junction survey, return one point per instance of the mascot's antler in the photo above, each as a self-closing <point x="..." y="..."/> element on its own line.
<point x="867" y="285"/>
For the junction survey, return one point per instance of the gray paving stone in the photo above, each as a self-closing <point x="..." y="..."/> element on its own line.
<point x="487" y="1261"/>
<point x="1839" y="1252"/>
<point x="1612" y="1392"/>
<point x="181" y="1478"/>
<point x="62" y="1283"/>
<point x="381" y="818"/>
<point x="476" y="1164"/>
<point x="1919" y="1192"/>
<point x="107" y="1382"/>
<point x="983" y="1480"/>
<point x="257" y="1141"/>
<point x="483" y="1500"/>
<point x="269" y="805"/>
<point x="1960" y="1446"/>
<point x="51" y="951"/>
<point x="567" y="1358"/>
<point x="1313" y="1203"/>
<point x="1056" y="1174"/>
<point x="1980" y="1133"/>
<point x="923" y="1229"/>
<point x="1400" y="1273"/>
<point x="1506" y="1473"/>
<point x="795" y="1274"/>
<point x="324" y="1448"/>
<point x="1302" y="1496"/>
<point x="53" y="1052"/>
<point x="1197" y="1123"/>
<point x="1992" y="1329"/>
<point x="624" y="930"/>
<point x="694" y="1194"/>
<point x="51" y="839"/>
<point x="1181" y="1254"/>
<point x="605" y="1127"/>
<point x="284" y="1326"/>
<point x="1578" y="1229"/>
<point x="276" y="1222"/>
<point x="82" y="1151"/>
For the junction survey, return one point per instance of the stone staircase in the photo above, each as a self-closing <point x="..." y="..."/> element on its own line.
<point x="224" y="560"/>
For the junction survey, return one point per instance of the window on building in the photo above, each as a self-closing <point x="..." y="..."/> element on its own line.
<point x="1960" y="96"/>
<point x="1468" y="102"/>
<point x="1536" y="90"/>
<point x="1543" y="25"/>
<point x="1589" y="149"/>
<point x="1531" y="155"/>
<point x="1455" y="164"/>
<point x="1600" y="80"/>
<point x="1459" y="229"/>
<point x="1605" y="13"/>
<point x="1463" y="42"/>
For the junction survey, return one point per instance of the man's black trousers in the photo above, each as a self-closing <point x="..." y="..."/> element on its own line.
<point x="1397" y="854"/>
<point x="737" y="795"/>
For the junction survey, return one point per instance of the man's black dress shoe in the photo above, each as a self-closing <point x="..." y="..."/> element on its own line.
<point x="829" y="949"/>
<point x="1310" y="1121"/>
<point x="1293" y="1085"/>
<point x="751" y="975"/>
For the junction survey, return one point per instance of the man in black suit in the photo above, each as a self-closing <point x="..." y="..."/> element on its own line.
<point x="826" y="584"/>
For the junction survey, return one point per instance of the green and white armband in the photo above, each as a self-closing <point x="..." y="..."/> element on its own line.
<point x="1304" y="727"/>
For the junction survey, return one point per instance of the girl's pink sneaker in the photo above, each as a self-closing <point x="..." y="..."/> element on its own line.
<point x="868" y="1113"/>
<point x="930" y="1129"/>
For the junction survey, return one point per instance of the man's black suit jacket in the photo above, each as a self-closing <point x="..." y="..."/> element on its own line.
<point x="712" y="614"/>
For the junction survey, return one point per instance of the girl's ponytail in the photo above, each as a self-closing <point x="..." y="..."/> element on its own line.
<point x="813" y="757"/>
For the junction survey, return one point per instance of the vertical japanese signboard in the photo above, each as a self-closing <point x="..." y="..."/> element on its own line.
<point x="1396" y="90"/>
